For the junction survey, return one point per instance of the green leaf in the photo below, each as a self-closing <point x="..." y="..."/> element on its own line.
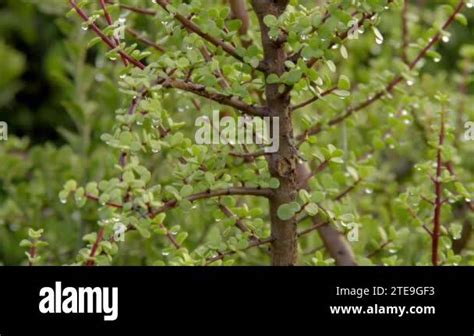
<point x="304" y="195"/>
<point x="26" y="243"/>
<point x="293" y="76"/>
<point x="35" y="234"/>
<point x="128" y="177"/>
<point x="317" y="196"/>
<point x="186" y="190"/>
<point x="311" y="209"/>
<point x="273" y="79"/>
<point x="342" y="93"/>
<point x="70" y="185"/>
<point x="159" y="219"/>
<point x="455" y="229"/>
<point x="461" y="19"/>
<point x="287" y="211"/>
<point x="181" y="237"/>
<point x="270" y="20"/>
<point x="331" y="65"/>
<point x="274" y="183"/>
<point x="344" y="83"/>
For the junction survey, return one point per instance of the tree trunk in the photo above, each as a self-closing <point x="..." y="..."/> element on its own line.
<point x="283" y="163"/>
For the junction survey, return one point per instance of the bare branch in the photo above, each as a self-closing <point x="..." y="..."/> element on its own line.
<point x="202" y="91"/>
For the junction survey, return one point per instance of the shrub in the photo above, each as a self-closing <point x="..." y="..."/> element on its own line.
<point x="371" y="152"/>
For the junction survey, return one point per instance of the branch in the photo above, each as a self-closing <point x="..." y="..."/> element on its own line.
<point x="110" y="43"/>
<point x="312" y="100"/>
<point x="201" y="90"/>
<point x="347" y="191"/>
<point x="312" y="228"/>
<point x="110" y="204"/>
<point x="109" y="20"/>
<point x="100" y="237"/>
<point x="263" y="192"/>
<point x="379" y="249"/>
<point x="438" y="203"/>
<point x="239" y="223"/>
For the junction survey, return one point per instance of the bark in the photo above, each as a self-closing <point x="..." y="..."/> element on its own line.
<point x="283" y="163"/>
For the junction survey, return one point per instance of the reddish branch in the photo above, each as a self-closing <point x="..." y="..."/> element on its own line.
<point x="110" y="22"/>
<point x="438" y="203"/>
<point x="32" y="254"/>
<point x="389" y="88"/>
<point x="110" y="43"/>
<point x="100" y="237"/>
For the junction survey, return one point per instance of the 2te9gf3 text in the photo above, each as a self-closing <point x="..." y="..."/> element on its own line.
<point x="379" y="291"/>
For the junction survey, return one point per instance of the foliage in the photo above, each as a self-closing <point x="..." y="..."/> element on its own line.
<point x="374" y="149"/>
